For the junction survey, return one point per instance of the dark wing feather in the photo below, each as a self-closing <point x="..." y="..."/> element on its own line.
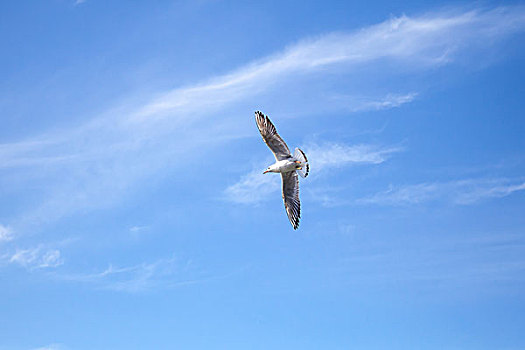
<point x="291" y="197"/>
<point x="271" y="137"/>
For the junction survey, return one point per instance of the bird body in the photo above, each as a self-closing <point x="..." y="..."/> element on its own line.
<point x="287" y="164"/>
<point x="283" y="166"/>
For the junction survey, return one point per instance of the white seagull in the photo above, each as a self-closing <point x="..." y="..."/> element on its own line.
<point x="286" y="164"/>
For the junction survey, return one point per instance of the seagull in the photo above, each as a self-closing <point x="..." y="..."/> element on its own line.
<point x="287" y="164"/>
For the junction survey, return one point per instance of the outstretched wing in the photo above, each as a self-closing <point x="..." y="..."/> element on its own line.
<point x="271" y="137"/>
<point x="291" y="197"/>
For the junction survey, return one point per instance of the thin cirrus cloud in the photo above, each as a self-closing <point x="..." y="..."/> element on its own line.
<point x="361" y="104"/>
<point x="36" y="258"/>
<point x="255" y="187"/>
<point x="54" y="346"/>
<point x="389" y="101"/>
<point x="453" y="261"/>
<point x="460" y="192"/>
<point x="140" y="278"/>
<point x="425" y="41"/>
<point x="252" y="188"/>
<point x="109" y="155"/>
<point x="330" y="155"/>
<point x="6" y="233"/>
<point x="136" y="278"/>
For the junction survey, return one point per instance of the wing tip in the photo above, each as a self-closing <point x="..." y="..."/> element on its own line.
<point x="261" y="115"/>
<point x="295" y="218"/>
<point x="264" y="123"/>
<point x="295" y="223"/>
<point x="261" y="119"/>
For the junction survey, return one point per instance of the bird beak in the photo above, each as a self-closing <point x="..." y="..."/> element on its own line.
<point x="264" y="172"/>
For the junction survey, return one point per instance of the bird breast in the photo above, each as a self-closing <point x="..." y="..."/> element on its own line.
<point x="284" y="166"/>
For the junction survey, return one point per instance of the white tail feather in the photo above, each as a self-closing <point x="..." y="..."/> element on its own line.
<point x="305" y="167"/>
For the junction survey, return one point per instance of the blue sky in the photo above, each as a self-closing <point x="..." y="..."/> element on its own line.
<point x="133" y="209"/>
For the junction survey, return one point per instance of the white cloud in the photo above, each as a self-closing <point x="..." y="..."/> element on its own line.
<point x="389" y="101"/>
<point x="54" y="346"/>
<point x="494" y="189"/>
<point x="136" y="232"/>
<point x="6" y="233"/>
<point x="360" y="104"/>
<point x="336" y="155"/>
<point x="143" y="277"/>
<point x="462" y="192"/>
<point x="429" y="40"/>
<point x="95" y="165"/>
<point x="475" y="259"/>
<point x="37" y="258"/>
<point x="255" y="186"/>
<point x="138" y="229"/>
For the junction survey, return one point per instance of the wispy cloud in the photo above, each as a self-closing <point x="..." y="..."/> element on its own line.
<point x="136" y="231"/>
<point x="466" y="260"/>
<point x="360" y="104"/>
<point x="255" y="186"/>
<point x="5" y="233"/>
<point x="54" y="346"/>
<point x="390" y="101"/>
<point x="462" y="192"/>
<point x="335" y="155"/>
<point x="490" y="189"/>
<point x="96" y="164"/>
<point x="428" y="40"/>
<point x="36" y="258"/>
<point x="164" y="273"/>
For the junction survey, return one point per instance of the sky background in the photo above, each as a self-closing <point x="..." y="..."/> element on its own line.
<point x="133" y="209"/>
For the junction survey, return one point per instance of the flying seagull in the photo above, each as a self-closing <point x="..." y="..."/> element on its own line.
<point x="287" y="164"/>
